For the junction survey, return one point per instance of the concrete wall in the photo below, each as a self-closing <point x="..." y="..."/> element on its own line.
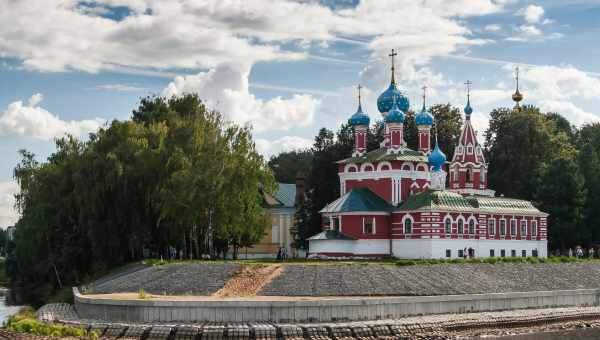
<point x="323" y="310"/>
<point x="436" y="247"/>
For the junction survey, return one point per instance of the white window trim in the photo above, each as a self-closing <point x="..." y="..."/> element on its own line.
<point x="374" y="225"/>
<point x="331" y="224"/>
<point x="472" y="218"/>
<point x="469" y="150"/>
<point x="459" y="150"/>
<point x="521" y="227"/>
<point x="412" y="224"/>
<point x="382" y="164"/>
<point x="490" y="222"/>
<point x="500" y="227"/>
<point x="458" y="219"/>
<point x="513" y="219"/>
<point x="448" y="217"/>
<point x="534" y="223"/>
<point x="364" y="166"/>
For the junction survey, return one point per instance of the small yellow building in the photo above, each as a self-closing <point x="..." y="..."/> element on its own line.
<point x="282" y="208"/>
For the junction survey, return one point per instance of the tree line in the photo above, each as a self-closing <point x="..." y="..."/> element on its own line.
<point x="175" y="177"/>
<point x="531" y="155"/>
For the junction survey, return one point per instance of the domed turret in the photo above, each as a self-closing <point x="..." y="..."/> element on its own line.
<point x="395" y="115"/>
<point x="391" y="94"/>
<point x="468" y="109"/>
<point x="424" y="117"/>
<point x="359" y="118"/>
<point x="517" y="96"/>
<point x="386" y="99"/>
<point x="437" y="158"/>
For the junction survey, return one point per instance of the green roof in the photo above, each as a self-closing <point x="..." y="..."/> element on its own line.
<point x="448" y="200"/>
<point x="359" y="199"/>
<point x="286" y="194"/>
<point x="381" y="154"/>
<point x="331" y="234"/>
<point x="437" y="199"/>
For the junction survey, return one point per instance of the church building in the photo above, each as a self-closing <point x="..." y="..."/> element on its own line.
<point x="396" y="201"/>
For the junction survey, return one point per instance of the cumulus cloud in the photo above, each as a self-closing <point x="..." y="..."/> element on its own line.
<point x="269" y="148"/>
<point x="31" y="120"/>
<point x="554" y="88"/>
<point x="532" y="14"/>
<point x="225" y="88"/>
<point x="8" y="214"/>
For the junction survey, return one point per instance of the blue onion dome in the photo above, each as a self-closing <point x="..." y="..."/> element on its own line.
<point x="395" y="115"/>
<point x="386" y="99"/>
<point x="424" y="117"/>
<point x="468" y="108"/>
<point x="359" y="118"/>
<point x="437" y="158"/>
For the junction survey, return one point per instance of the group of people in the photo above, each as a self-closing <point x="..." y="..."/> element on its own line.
<point x="282" y="254"/>
<point x="468" y="253"/>
<point x="580" y="252"/>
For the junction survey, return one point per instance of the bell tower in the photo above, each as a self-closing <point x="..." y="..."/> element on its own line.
<point x="468" y="170"/>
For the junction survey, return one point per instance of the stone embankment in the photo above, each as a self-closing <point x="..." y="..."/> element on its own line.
<point x="354" y="279"/>
<point x="446" y="326"/>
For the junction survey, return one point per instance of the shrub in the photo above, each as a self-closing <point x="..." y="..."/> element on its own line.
<point x="142" y="294"/>
<point x="404" y="262"/>
<point x="25" y="322"/>
<point x="491" y="260"/>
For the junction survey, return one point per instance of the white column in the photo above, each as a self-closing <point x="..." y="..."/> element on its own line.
<point x="281" y="230"/>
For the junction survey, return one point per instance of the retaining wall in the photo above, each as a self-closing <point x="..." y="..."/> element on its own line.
<point x="323" y="310"/>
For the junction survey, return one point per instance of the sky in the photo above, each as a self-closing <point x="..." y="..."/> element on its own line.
<point x="286" y="67"/>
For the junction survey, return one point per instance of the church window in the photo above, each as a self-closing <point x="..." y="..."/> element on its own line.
<point x="406" y="167"/>
<point x="492" y="253"/>
<point x="408" y="226"/>
<point x="448" y="225"/>
<point x="461" y="226"/>
<point x="385" y="167"/>
<point x="470" y="150"/>
<point x="448" y="253"/>
<point x="492" y="227"/>
<point x="455" y="175"/>
<point x="502" y="253"/>
<point x="534" y="228"/>
<point x="523" y="228"/>
<point x="460" y="150"/>
<point x="513" y="253"/>
<point x="368" y="225"/>
<point x="534" y="253"/>
<point x="469" y="175"/>
<point x="461" y="253"/>
<point x="352" y="169"/>
<point x="523" y="253"/>
<point x="472" y="226"/>
<point x="513" y="227"/>
<point x="502" y="227"/>
<point x="336" y="223"/>
<point x="368" y="168"/>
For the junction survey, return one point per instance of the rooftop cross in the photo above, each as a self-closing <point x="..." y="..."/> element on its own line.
<point x="468" y="83"/>
<point x="517" y="96"/>
<point x="517" y="76"/>
<point x="424" y="88"/>
<point x="392" y="55"/>
<point x="359" y="87"/>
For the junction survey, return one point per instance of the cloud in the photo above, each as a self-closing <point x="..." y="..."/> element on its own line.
<point x="270" y="148"/>
<point x="532" y="14"/>
<point x="8" y="214"/>
<point x="554" y="88"/>
<point x="121" y="88"/>
<point x="226" y="89"/>
<point x="30" y="120"/>
<point x="493" y="28"/>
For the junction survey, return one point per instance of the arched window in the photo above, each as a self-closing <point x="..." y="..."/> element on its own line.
<point x="352" y="169"/>
<point x="455" y="175"/>
<point x="469" y="175"/>
<point x="461" y="226"/>
<point x="385" y="167"/>
<point x="408" y="226"/>
<point x="471" y="226"/>
<point x="368" y="168"/>
<point x="448" y="225"/>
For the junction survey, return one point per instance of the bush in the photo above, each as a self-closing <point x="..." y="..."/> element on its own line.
<point x="404" y="262"/>
<point x="491" y="260"/>
<point x="25" y="322"/>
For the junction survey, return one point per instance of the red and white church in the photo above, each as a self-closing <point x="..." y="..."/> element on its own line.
<point x="394" y="200"/>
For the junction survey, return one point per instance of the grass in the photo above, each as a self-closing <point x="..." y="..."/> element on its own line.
<point x="25" y="322"/>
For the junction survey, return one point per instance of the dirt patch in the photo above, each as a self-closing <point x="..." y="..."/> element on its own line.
<point x="249" y="281"/>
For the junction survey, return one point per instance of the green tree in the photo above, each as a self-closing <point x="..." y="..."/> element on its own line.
<point x="287" y="165"/>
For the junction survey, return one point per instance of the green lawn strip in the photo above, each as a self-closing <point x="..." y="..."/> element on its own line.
<point x="26" y="322"/>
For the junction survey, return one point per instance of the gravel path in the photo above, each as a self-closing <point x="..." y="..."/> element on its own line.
<point x="172" y="279"/>
<point x="336" y="280"/>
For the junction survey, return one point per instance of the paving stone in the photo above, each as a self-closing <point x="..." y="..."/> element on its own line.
<point x="160" y="333"/>
<point x="171" y="279"/>
<point x="187" y="332"/>
<point x="443" y="279"/>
